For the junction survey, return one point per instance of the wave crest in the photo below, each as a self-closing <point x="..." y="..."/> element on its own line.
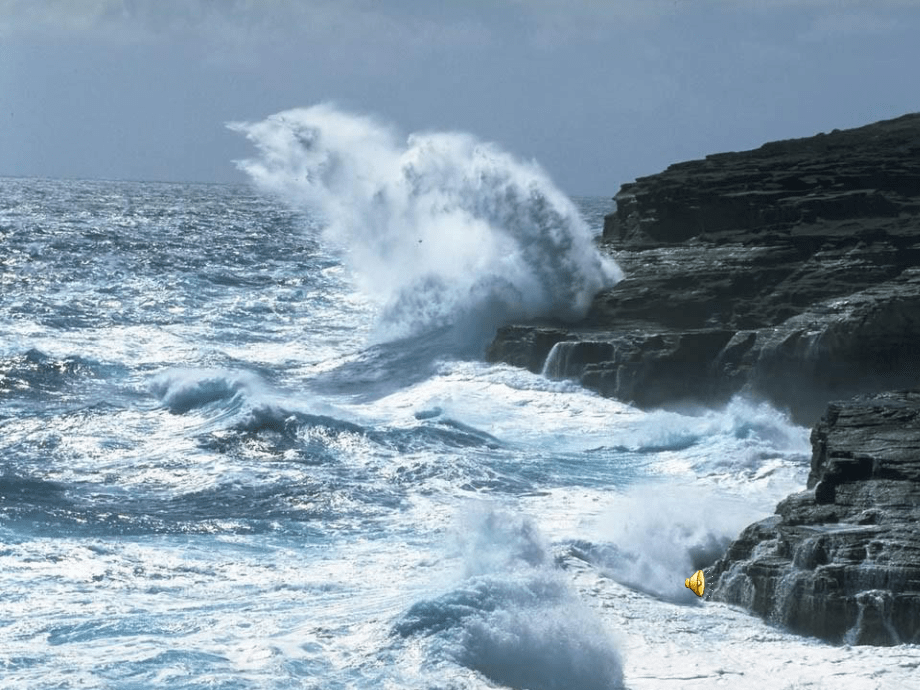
<point x="514" y="619"/>
<point x="184" y="389"/>
<point x="442" y="228"/>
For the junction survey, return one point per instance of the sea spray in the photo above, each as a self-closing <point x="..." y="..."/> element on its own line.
<point x="514" y="618"/>
<point x="658" y="535"/>
<point x="440" y="228"/>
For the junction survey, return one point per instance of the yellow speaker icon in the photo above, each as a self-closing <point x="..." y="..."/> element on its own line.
<point x="696" y="583"/>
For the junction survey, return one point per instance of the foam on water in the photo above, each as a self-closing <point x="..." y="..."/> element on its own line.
<point x="199" y="491"/>
<point x="513" y="617"/>
<point x="181" y="390"/>
<point x="442" y="228"/>
<point x="652" y="533"/>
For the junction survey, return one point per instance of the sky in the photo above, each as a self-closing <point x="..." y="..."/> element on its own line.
<point x="598" y="92"/>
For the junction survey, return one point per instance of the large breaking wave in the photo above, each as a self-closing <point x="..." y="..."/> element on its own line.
<point x="515" y="619"/>
<point x="441" y="228"/>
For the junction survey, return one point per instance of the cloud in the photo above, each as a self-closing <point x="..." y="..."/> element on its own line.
<point x="850" y="24"/>
<point x="169" y="16"/>
<point x="155" y="16"/>
<point x="22" y="15"/>
<point x="341" y="34"/>
<point x="159" y="15"/>
<point x="371" y="37"/>
<point x="406" y="22"/>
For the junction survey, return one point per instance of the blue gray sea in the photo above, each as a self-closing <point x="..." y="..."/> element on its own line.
<point x="248" y="439"/>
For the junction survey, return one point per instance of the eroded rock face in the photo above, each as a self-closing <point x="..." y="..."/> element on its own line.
<point x="789" y="273"/>
<point x="862" y="173"/>
<point x="841" y="561"/>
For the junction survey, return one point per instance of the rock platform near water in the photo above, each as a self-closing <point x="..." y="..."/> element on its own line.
<point x="790" y="273"/>
<point x="841" y="560"/>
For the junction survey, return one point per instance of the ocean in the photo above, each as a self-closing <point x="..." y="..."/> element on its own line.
<point x="248" y="439"/>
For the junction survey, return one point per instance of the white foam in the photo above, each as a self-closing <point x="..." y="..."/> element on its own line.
<point x="183" y="389"/>
<point x="505" y="402"/>
<point x="663" y="533"/>
<point x="441" y="228"/>
<point x="514" y="618"/>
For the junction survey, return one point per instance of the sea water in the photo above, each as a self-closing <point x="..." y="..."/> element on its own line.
<point x="248" y="440"/>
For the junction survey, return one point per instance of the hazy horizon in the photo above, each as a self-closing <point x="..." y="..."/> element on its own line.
<point x="598" y="93"/>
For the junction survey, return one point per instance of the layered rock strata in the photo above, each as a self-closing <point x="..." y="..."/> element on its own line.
<point x="791" y="272"/>
<point x="841" y="561"/>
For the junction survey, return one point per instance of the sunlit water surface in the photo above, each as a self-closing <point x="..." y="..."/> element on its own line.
<point x="212" y="477"/>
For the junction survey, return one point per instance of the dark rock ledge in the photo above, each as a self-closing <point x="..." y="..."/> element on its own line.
<point x="841" y="561"/>
<point x="790" y="273"/>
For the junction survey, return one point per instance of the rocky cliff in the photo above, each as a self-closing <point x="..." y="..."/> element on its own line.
<point x="841" y="561"/>
<point x="791" y="273"/>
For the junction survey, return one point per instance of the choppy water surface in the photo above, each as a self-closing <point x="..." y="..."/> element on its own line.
<point x="216" y="472"/>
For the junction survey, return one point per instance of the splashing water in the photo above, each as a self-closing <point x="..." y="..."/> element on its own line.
<point x="442" y="230"/>
<point x="660" y="535"/>
<point x="514" y="618"/>
<point x="188" y="503"/>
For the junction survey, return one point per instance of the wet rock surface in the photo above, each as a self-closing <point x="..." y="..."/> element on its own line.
<point x="790" y="273"/>
<point x="841" y="560"/>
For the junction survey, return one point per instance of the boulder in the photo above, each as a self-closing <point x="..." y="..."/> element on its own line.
<point x="841" y="560"/>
